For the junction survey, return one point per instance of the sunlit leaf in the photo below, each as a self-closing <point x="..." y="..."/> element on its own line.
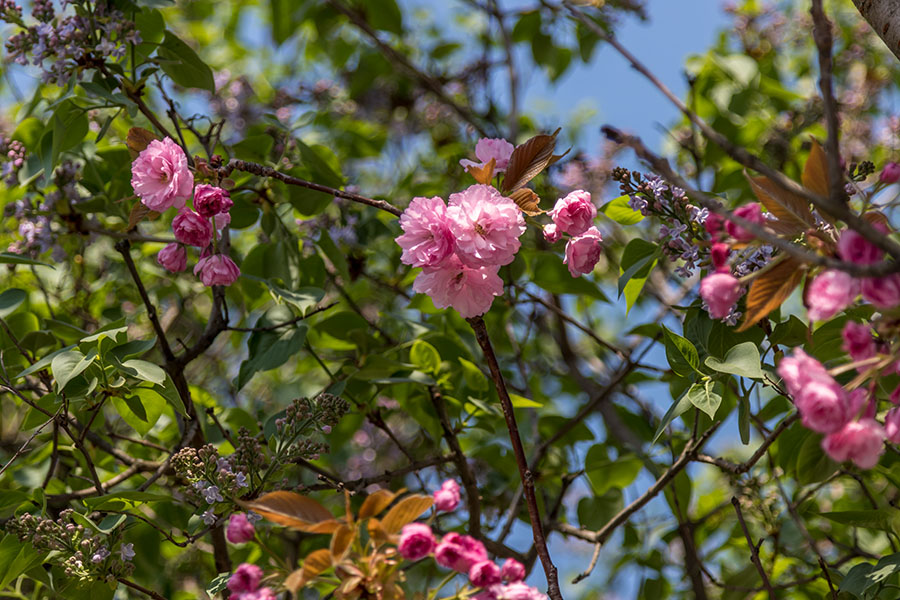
<point x="405" y="511"/>
<point x="528" y="160"/>
<point x="771" y="289"/>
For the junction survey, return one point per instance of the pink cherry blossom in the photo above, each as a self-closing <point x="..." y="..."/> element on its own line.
<point x="512" y="570"/>
<point x="853" y="247"/>
<point x="796" y="370"/>
<point x="447" y="498"/>
<point x="713" y="224"/>
<point x="575" y="213"/>
<point x="860" y="441"/>
<point x="264" y="593"/>
<point x="583" y="252"/>
<point x="858" y="341"/>
<point x="173" y="258"/>
<point x="192" y="229"/>
<point x="486" y="149"/>
<point x="426" y="240"/>
<point x="720" y="291"/>
<point x="519" y="591"/>
<point x="217" y="269"/>
<point x="823" y="404"/>
<point x="552" y="234"/>
<point x="829" y="293"/>
<point x="882" y="292"/>
<point x="719" y="255"/>
<point x="246" y="578"/>
<point x="484" y="574"/>
<point x="210" y="200"/>
<point x="160" y="176"/>
<point x="486" y="226"/>
<point x="751" y="212"/>
<point x="470" y="291"/>
<point x="892" y="425"/>
<point x="890" y="173"/>
<point x="416" y="541"/>
<point x="222" y="220"/>
<point x="459" y="552"/>
<point x="240" y="529"/>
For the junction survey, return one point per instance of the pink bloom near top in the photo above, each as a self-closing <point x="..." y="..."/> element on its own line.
<point x="486" y="149"/>
<point x="485" y="225"/>
<point x="575" y="213"/>
<point x="160" y="176"/>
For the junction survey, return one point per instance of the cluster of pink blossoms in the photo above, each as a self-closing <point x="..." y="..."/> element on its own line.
<point x="846" y="418"/>
<point x="461" y="246"/>
<point x="465" y="554"/>
<point x="244" y="584"/>
<point x="162" y="180"/>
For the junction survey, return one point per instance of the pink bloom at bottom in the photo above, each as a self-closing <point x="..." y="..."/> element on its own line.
<point x="484" y="574"/>
<point x="446" y="499"/>
<point x="890" y="173"/>
<point x="459" y="552"/>
<point x="240" y="530"/>
<point x="217" y="269"/>
<point x="829" y="293"/>
<point x="892" y="425"/>
<point x="720" y="291"/>
<point x="245" y="578"/>
<point x="469" y="290"/>
<point x="172" y="258"/>
<point x="583" y="252"/>
<point x="416" y="541"/>
<point x="260" y="594"/>
<point x="512" y="570"/>
<point x="860" y="441"/>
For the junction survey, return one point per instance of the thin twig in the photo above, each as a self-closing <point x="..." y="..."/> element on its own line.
<point x="823" y="38"/>
<point x="754" y="548"/>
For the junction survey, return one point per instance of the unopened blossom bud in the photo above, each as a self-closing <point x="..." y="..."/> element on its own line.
<point x="210" y="200"/>
<point x="583" y="252"/>
<point x="246" y="578"/>
<point x="719" y="255"/>
<point x="240" y="530"/>
<point x="416" y="541"/>
<point x="512" y="570"/>
<point x="217" y="269"/>
<point x="485" y="573"/>
<point x="172" y="258"/>
<point x="447" y="498"/>
<point x="552" y="233"/>
<point x="751" y="212"/>
<point x="890" y="173"/>
<point x="575" y="213"/>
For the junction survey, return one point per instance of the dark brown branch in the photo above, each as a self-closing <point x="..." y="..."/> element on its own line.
<point x="884" y="17"/>
<point x="140" y="588"/>
<point x="754" y="548"/>
<point x="823" y="37"/>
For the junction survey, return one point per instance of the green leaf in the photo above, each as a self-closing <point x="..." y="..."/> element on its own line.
<point x="857" y="581"/>
<point x="744" y="419"/>
<point x="283" y="22"/>
<point x="703" y="397"/>
<point x="605" y="473"/>
<point x="10" y="300"/>
<point x="885" y="519"/>
<point x="619" y="211"/>
<point x="70" y="125"/>
<point x="183" y="65"/>
<point x="221" y="580"/>
<point x="549" y="273"/>
<point x="132" y="348"/>
<point x="742" y="360"/>
<point x="68" y="365"/>
<point x="142" y="410"/>
<point x="812" y="464"/>
<point x="8" y="258"/>
<point x="144" y="370"/>
<point x="523" y="402"/>
<point x="681" y="354"/>
<point x="330" y="251"/>
<point x="474" y="377"/>
<point x="425" y="357"/>
<point x="129" y="499"/>
<point x="269" y="350"/>
<point x="638" y="261"/>
<point x="595" y="511"/>
<point x="678" y="408"/>
<point x="385" y="15"/>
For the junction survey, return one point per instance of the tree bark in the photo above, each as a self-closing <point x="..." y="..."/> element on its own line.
<point x="884" y="17"/>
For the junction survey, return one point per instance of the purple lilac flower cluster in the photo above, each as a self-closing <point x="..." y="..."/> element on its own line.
<point x="212" y="479"/>
<point x="80" y="552"/>
<point x="63" y="46"/>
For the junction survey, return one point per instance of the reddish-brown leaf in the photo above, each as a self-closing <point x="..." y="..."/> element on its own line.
<point x="340" y="541"/>
<point x="877" y="218"/>
<point x="377" y="502"/>
<point x="293" y="510"/>
<point x="528" y="201"/>
<point x="791" y="209"/>
<point x="294" y="581"/>
<point x="528" y="160"/>
<point x="770" y="290"/>
<point x="138" y="139"/>
<point x="815" y="170"/>
<point x="138" y="212"/>
<point x="485" y="173"/>
<point x="376" y="532"/>
<point x="405" y="511"/>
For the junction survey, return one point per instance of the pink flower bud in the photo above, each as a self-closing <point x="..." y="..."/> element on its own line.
<point x="892" y="425"/>
<point x="575" y="213"/>
<point x="210" y="200"/>
<point x="855" y="248"/>
<point x="719" y="254"/>
<point x="245" y="578"/>
<point x="858" y="342"/>
<point x="192" y="229"/>
<point x="859" y="441"/>
<point x="890" y="173"/>
<point x="552" y="234"/>
<point x="459" y="552"/>
<point x="240" y="530"/>
<point x="173" y="258"/>
<point x="583" y="252"/>
<point x="829" y="293"/>
<point x="416" y="541"/>
<point x="512" y="570"/>
<point x="483" y="574"/>
<point x="217" y="269"/>
<point x="720" y="291"/>
<point x="447" y="498"/>
<point x="751" y="212"/>
<point x="713" y="224"/>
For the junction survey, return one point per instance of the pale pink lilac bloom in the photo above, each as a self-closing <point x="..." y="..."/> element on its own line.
<point x="583" y="252"/>
<point x="160" y="176"/>
<point x="575" y="213"/>
<point x="829" y="293"/>
<point x="486" y="226"/>
<point x="469" y="290"/>
<point x="426" y="240"/>
<point x="486" y="149"/>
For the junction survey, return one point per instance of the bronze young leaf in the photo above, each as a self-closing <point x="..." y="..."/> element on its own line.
<point x="528" y="160"/>
<point x="771" y="289"/>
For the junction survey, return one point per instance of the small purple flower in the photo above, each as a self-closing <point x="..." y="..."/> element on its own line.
<point x="241" y="480"/>
<point x="212" y="495"/>
<point x="126" y="551"/>
<point x="209" y="517"/>
<point x="100" y="555"/>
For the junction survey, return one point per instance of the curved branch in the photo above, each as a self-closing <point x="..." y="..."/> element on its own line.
<point x="884" y="17"/>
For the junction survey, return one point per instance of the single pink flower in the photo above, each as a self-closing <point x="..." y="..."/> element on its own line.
<point x="416" y="541"/>
<point x="222" y="220"/>
<point x="575" y="213"/>
<point x="240" y="529"/>
<point x="470" y="291"/>
<point x="173" y="258"/>
<point x="583" y="252"/>
<point x="483" y="574"/>
<point x="246" y="578"/>
<point x="160" y="176"/>
<point x="823" y="404"/>
<point x="860" y="441"/>
<point x="853" y="247"/>
<point x="720" y="291"/>
<point x="210" y="200"/>
<point x="829" y="293"/>
<point x="796" y="370"/>
<point x="260" y="594"/>
<point x="719" y="255"/>
<point x="890" y="173"/>
<point x="192" y="229"/>
<point x="552" y="234"/>
<point x="519" y="591"/>
<point x="858" y="341"/>
<point x="459" y="552"/>
<point x="217" y="269"/>
<point x="486" y="226"/>
<point x="447" y="498"/>
<point x="751" y="212"/>
<point x="512" y="570"/>
<point x="882" y="292"/>
<point x="426" y="240"/>
<point x="486" y="149"/>
<point x="892" y="425"/>
<point x="714" y="224"/>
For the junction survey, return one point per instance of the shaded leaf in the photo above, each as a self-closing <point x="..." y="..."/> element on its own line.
<point x="770" y="290"/>
<point x="340" y="541"/>
<point x="484" y="173"/>
<point x="291" y="510"/>
<point x="791" y="209"/>
<point x="815" y="170"/>
<point x="138" y="139"/>
<point x="377" y="502"/>
<point x="405" y="511"/>
<point x="10" y="300"/>
<point x="528" y="160"/>
<point x="137" y="214"/>
<point x="184" y="65"/>
<point x="528" y="201"/>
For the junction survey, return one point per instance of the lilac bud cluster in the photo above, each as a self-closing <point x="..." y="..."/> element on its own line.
<point x="65" y="46"/>
<point x="682" y="221"/>
<point x="80" y="552"/>
<point x="12" y="158"/>
<point x="212" y="479"/>
<point x="302" y="418"/>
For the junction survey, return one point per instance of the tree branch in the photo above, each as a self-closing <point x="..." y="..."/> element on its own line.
<point x="884" y="17"/>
